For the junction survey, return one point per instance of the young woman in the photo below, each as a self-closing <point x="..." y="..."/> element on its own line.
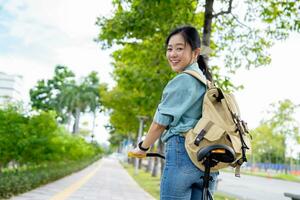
<point x="179" y="110"/>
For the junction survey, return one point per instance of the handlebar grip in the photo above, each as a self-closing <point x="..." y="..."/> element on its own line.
<point x="135" y="155"/>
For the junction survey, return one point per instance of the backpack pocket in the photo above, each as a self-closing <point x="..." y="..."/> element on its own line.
<point x="214" y="133"/>
<point x="205" y="133"/>
<point x="207" y="130"/>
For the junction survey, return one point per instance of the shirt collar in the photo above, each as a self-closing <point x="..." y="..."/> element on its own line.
<point x="194" y="66"/>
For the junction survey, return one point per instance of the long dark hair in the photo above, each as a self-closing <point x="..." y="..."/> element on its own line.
<point x="191" y="36"/>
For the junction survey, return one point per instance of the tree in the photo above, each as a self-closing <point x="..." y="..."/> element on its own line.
<point x="71" y="98"/>
<point x="268" y="146"/>
<point x="65" y="96"/>
<point x="12" y="130"/>
<point x="270" y="138"/>
<point x="284" y="124"/>
<point x="94" y="86"/>
<point x="44" y="95"/>
<point x="39" y="131"/>
<point x="239" y="32"/>
<point x="79" y="98"/>
<point x="140" y="27"/>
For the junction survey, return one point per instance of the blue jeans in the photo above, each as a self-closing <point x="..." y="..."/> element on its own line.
<point x="181" y="178"/>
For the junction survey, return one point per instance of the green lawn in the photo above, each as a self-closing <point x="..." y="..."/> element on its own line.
<point x="151" y="184"/>
<point x="281" y="176"/>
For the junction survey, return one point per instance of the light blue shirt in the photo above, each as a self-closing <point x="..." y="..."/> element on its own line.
<point x="181" y="103"/>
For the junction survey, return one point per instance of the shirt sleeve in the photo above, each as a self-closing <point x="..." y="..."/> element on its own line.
<point x="178" y="96"/>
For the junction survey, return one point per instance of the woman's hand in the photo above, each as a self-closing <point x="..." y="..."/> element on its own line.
<point x="137" y="153"/>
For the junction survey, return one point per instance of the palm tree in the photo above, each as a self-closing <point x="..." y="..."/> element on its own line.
<point x="76" y="99"/>
<point x="71" y="100"/>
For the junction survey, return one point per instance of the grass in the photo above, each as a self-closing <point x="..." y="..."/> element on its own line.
<point x="288" y="177"/>
<point x="281" y="176"/>
<point x="151" y="184"/>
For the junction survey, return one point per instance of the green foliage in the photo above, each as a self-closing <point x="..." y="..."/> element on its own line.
<point x="139" y="28"/>
<point x="280" y="16"/>
<point x="13" y="182"/>
<point x="68" y="98"/>
<point x="134" y="94"/>
<point x="35" y="150"/>
<point x="39" y="130"/>
<point x="141" y="19"/>
<point x="268" y="147"/>
<point x="270" y="138"/>
<point x="38" y="139"/>
<point x="140" y="67"/>
<point x="12" y="130"/>
<point x="44" y="95"/>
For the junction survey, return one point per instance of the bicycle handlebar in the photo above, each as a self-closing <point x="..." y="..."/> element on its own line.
<point x="132" y="155"/>
<point x="155" y="155"/>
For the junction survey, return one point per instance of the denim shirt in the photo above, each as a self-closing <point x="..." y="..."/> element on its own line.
<point x="181" y="103"/>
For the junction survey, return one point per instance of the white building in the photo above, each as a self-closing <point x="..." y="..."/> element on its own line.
<point x="10" y="88"/>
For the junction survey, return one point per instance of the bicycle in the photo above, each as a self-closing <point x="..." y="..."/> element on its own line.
<point x="209" y="156"/>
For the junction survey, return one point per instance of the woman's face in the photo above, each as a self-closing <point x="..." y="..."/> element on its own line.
<point x="179" y="53"/>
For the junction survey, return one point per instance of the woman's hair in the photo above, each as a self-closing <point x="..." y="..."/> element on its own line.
<point x="191" y="36"/>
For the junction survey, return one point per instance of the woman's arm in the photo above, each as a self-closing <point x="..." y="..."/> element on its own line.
<point x="153" y="134"/>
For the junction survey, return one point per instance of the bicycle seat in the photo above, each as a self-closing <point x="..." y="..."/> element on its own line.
<point x="218" y="153"/>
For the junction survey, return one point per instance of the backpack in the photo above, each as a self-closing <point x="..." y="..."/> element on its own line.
<point x="220" y="124"/>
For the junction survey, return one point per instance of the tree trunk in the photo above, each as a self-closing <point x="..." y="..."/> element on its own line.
<point x="208" y="15"/>
<point x="76" y="123"/>
<point x="69" y="124"/>
<point x="161" y="150"/>
<point x="149" y="165"/>
<point x="140" y="164"/>
<point x="94" y="124"/>
<point x="155" y="167"/>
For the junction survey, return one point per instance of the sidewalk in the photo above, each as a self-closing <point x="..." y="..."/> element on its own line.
<point x="104" y="180"/>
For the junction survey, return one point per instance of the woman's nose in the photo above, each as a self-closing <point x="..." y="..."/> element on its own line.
<point x="173" y="53"/>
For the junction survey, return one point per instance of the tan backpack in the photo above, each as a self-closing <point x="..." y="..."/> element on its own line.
<point x="220" y="124"/>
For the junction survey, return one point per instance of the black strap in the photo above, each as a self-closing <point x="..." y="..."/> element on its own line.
<point x="199" y="137"/>
<point x="202" y="133"/>
<point x="240" y="130"/>
<point x="142" y="148"/>
<point x="220" y="95"/>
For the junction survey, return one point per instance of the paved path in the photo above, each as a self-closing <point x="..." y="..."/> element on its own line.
<point x="104" y="180"/>
<point x="256" y="188"/>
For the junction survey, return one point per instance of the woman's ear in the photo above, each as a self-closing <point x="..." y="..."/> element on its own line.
<point x="196" y="53"/>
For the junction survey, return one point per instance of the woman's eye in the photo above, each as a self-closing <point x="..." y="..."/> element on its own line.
<point x="179" y="49"/>
<point x="169" y="49"/>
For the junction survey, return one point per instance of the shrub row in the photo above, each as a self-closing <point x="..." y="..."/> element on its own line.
<point x="13" y="182"/>
<point x="35" y="150"/>
<point x="35" y="139"/>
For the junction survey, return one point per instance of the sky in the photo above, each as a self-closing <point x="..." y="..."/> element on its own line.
<point x="35" y="36"/>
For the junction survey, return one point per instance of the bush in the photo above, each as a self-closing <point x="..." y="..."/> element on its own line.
<point x="40" y="149"/>
<point x="13" y="182"/>
<point x="39" y="139"/>
<point x="12" y="132"/>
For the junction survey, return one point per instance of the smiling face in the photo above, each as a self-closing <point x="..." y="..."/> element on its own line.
<point x="179" y="53"/>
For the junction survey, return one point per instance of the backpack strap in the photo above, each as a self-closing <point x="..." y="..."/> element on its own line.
<point x="200" y="77"/>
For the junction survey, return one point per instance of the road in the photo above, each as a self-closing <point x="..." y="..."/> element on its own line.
<point x="256" y="188"/>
